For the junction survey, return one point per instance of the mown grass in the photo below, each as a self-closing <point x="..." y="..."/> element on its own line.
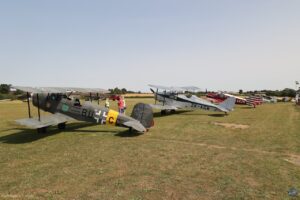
<point x="185" y="156"/>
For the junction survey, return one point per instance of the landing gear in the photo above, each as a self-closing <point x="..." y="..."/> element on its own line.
<point x="42" y="130"/>
<point x="163" y="112"/>
<point x="173" y="111"/>
<point x="61" y="126"/>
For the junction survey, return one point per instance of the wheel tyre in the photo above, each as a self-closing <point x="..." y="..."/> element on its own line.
<point x="163" y="112"/>
<point x="42" y="130"/>
<point x="61" y="126"/>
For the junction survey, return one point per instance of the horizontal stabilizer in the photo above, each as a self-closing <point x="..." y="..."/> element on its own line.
<point x="50" y="120"/>
<point x="135" y="125"/>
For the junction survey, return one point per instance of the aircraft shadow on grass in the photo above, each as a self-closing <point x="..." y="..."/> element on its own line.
<point x="30" y="135"/>
<point x="188" y="112"/>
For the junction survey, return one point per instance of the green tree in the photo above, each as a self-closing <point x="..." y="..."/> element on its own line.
<point x="4" y="88"/>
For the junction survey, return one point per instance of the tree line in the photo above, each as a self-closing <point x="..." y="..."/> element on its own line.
<point x="6" y="93"/>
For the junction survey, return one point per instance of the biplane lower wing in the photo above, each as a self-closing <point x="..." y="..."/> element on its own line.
<point x="163" y="107"/>
<point x="50" y="120"/>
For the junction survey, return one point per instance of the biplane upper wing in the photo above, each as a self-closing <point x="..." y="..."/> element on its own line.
<point x="60" y="89"/>
<point x="177" y="89"/>
<point x="49" y="120"/>
<point x="165" y="88"/>
<point x="191" y="89"/>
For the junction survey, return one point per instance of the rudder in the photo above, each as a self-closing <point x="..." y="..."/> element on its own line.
<point x="228" y="104"/>
<point x="144" y="114"/>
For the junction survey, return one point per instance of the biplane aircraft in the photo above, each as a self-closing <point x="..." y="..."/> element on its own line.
<point x="63" y="108"/>
<point x="172" y="98"/>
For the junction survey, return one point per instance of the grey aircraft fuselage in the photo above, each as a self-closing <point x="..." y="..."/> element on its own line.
<point x="182" y="101"/>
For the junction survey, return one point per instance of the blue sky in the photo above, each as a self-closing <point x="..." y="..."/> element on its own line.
<point x="214" y="44"/>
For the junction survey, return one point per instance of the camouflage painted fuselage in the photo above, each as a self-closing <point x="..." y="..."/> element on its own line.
<point x="55" y="103"/>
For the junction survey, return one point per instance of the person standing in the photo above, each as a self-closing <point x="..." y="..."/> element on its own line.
<point x="120" y="104"/>
<point x="124" y="104"/>
<point x="107" y="103"/>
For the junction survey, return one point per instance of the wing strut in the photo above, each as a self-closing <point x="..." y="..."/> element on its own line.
<point x="28" y="105"/>
<point x="165" y="92"/>
<point x="38" y="105"/>
<point x="156" y="95"/>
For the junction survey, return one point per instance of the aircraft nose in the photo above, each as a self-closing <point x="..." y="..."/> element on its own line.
<point x="34" y="99"/>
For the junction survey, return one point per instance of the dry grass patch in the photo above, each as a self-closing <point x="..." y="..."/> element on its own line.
<point x="294" y="159"/>
<point x="231" y="125"/>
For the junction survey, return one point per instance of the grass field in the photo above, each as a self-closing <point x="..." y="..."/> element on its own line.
<point x="185" y="156"/>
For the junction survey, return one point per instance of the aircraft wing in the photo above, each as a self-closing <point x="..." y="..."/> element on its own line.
<point x="60" y="89"/>
<point x="163" y="107"/>
<point x="177" y="89"/>
<point x="165" y="88"/>
<point x="191" y="89"/>
<point x="49" y="120"/>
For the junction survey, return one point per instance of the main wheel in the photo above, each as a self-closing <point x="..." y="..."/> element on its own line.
<point x="163" y="112"/>
<point x="42" y="130"/>
<point x="61" y="126"/>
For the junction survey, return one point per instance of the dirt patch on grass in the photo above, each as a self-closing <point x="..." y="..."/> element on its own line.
<point x="294" y="159"/>
<point x="231" y="125"/>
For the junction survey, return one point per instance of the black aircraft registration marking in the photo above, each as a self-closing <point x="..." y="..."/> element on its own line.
<point x="193" y="105"/>
<point x="87" y="113"/>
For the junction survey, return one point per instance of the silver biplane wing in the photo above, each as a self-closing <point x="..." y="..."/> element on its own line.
<point x="176" y="89"/>
<point x="60" y="90"/>
<point x="49" y="120"/>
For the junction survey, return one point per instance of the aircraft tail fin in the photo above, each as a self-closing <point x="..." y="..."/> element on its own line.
<point x="144" y="114"/>
<point x="228" y="104"/>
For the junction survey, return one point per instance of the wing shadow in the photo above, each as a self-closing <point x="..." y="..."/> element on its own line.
<point x="178" y="112"/>
<point x="30" y="135"/>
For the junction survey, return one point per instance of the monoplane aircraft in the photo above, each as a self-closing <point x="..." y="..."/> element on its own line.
<point x="252" y="100"/>
<point x="63" y="108"/>
<point x="173" y="98"/>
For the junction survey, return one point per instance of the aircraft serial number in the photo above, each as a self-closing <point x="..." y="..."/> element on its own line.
<point x="200" y="106"/>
